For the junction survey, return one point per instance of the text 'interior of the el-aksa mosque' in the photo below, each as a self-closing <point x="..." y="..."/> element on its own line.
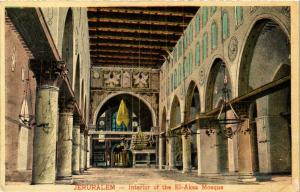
<point x="192" y="91"/>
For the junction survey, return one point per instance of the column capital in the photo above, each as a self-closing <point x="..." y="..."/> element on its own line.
<point x="66" y="106"/>
<point x="48" y="72"/>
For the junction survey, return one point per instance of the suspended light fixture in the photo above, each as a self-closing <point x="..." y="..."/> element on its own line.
<point x="223" y="120"/>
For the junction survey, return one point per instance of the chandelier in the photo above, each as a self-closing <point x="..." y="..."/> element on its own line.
<point x="223" y="121"/>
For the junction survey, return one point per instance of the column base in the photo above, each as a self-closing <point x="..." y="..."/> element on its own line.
<point x="172" y="168"/>
<point x="64" y="180"/>
<point x="37" y="183"/>
<point x="186" y="171"/>
<point x="75" y="173"/>
<point x="81" y="170"/>
<point x="263" y="177"/>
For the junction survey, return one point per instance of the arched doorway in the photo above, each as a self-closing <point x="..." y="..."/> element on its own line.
<point x="112" y="150"/>
<point x="192" y="109"/>
<point x="67" y="44"/>
<point x="175" y="120"/>
<point x="266" y="58"/>
<point x="23" y="138"/>
<point x="214" y="96"/>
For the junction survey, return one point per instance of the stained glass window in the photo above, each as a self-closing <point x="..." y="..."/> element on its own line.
<point x="204" y="46"/>
<point x="179" y="74"/>
<point x="225" y="30"/>
<point x="191" y="62"/>
<point x="179" y="48"/>
<point x="185" y="67"/>
<point x="214" y="35"/>
<point x="191" y="30"/>
<point x="238" y="15"/>
<point x="197" y="24"/>
<point x="204" y="16"/>
<point x="197" y="54"/>
<point x="213" y="9"/>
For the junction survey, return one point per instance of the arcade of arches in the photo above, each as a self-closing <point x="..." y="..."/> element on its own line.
<point x="80" y="96"/>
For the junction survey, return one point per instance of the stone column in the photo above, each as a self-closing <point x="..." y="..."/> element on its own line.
<point x="133" y="159"/>
<point x="85" y="152"/>
<point x="186" y="153"/>
<point x="81" y="168"/>
<point x="76" y="150"/>
<point x="160" y="152"/>
<point x="44" y="141"/>
<point x="88" y="151"/>
<point x="64" y="145"/>
<point x="171" y="153"/>
<point x="198" y="137"/>
<point x="47" y="74"/>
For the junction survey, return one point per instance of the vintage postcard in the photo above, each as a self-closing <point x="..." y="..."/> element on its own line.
<point x="149" y="96"/>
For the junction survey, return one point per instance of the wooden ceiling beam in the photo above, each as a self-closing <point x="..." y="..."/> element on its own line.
<point x="129" y="46"/>
<point x="138" y="27"/>
<point x="94" y="34"/>
<point x="136" y="54"/>
<point x="130" y="30"/>
<point x="126" y="57"/>
<point x="125" y="51"/>
<point x="132" y="62"/>
<point x="166" y="11"/>
<point x="136" y="21"/>
<point x="136" y="41"/>
<point x="112" y="37"/>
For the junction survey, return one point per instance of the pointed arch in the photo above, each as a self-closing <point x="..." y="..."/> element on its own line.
<point x="192" y="103"/>
<point x="175" y="112"/>
<point x="67" y="44"/>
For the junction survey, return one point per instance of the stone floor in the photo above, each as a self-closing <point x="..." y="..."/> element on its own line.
<point x="152" y="180"/>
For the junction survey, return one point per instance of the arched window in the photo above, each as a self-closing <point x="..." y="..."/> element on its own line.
<point x="179" y="73"/>
<point x="225" y="29"/>
<point x="204" y="16"/>
<point x="185" y="40"/>
<point x="174" y="55"/>
<point x="213" y="9"/>
<point x="197" y="24"/>
<point x="185" y="67"/>
<point x="175" y="79"/>
<point x="191" y="30"/>
<point x="204" y="46"/>
<point x="238" y="13"/>
<point x="191" y="62"/>
<point x="214" y="36"/>
<point x="179" y="48"/>
<point x="197" y="54"/>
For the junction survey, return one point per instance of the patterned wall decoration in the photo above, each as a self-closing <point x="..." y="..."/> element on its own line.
<point x="112" y="79"/>
<point x="232" y="48"/>
<point x="126" y="79"/>
<point x="140" y="80"/>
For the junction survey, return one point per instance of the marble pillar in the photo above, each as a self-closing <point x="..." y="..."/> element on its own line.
<point x="133" y="160"/>
<point x="160" y="152"/>
<point x="88" y="154"/>
<point x="76" y="150"/>
<point x="233" y="150"/>
<point x="81" y="167"/>
<point x="64" y="146"/>
<point x="198" y="137"/>
<point x="85" y="152"/>
<point x="44" y="141"/>
<point x="171" y="157"/>
<point x="207" y="152"/>
<point x="186" y="153"/>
